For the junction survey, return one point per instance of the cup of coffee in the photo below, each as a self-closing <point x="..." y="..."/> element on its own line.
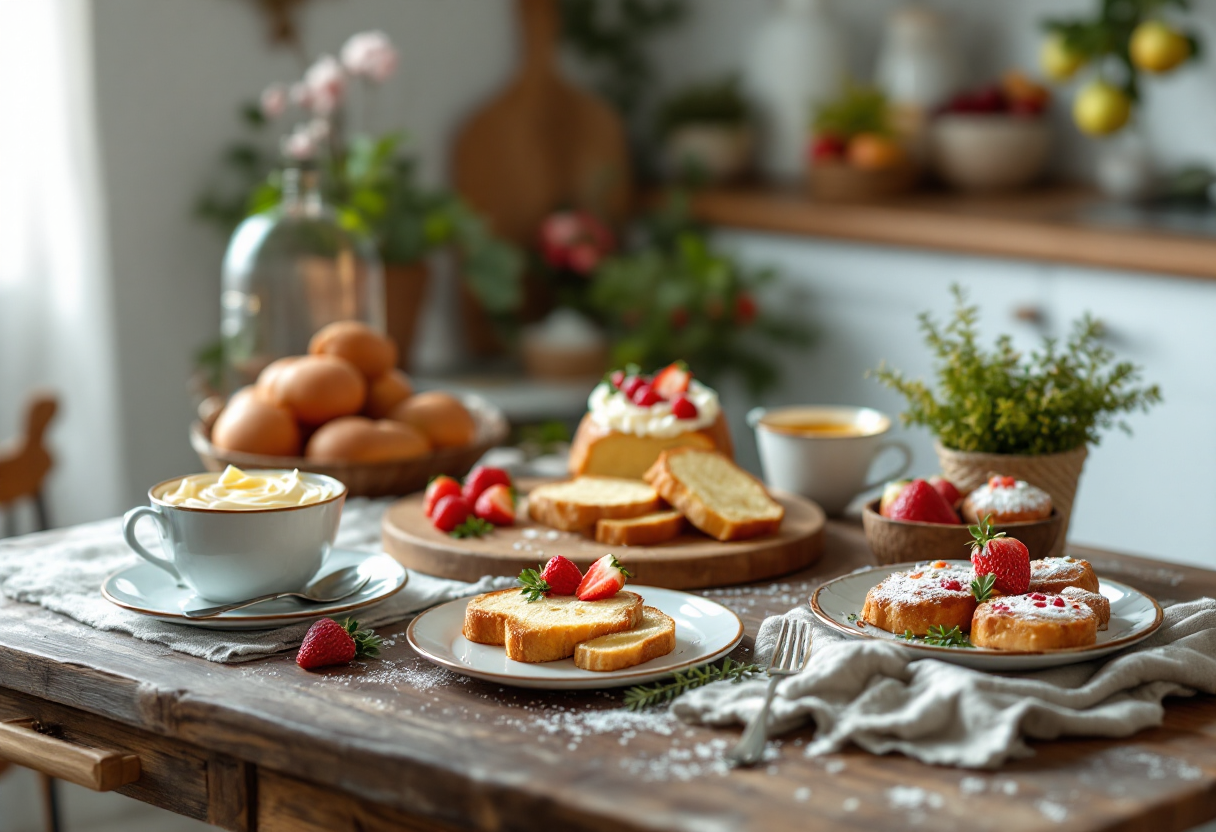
<point x="824" y="452"/>
<point x="234" y="536"/>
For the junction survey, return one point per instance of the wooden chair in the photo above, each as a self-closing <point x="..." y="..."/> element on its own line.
<point x="24" y="464"/>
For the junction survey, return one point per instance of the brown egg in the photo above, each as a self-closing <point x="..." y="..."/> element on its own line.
<point x="253" y="426"/>
<point x="317" y="388"/>
<point x="385" y="393"/>
<point x="358" y="439"/>
<point x="440" y="417"/>
<point x="270" y="373"/>
<point x="374" y="354"/>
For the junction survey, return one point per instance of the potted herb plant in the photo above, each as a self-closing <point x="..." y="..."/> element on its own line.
<point x="1028" y="416"/>
<point x="706" y="132"/>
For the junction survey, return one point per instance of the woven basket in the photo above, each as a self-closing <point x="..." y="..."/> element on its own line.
<point x="367" y="479"/>
<point x="1057" y="474"/>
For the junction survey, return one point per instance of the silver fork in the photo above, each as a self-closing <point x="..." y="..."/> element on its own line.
<point x="789" y="657"/>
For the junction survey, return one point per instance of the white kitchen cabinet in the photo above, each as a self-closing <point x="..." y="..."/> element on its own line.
<point x="863" y="300"/>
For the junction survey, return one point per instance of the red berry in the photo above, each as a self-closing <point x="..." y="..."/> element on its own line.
<point x="481" y="478"/>
<point x="946" y="488"/>
<point x="1005" y="558"/>
<point x="645" y="396"/>
<point x="745" y="309"/>
<point x="1002" y="482"/>
<point x="496" y="505"/>
<point x="683" y="408"/>
<point x="1034" y="596"/>
<point x="952" y="585"/>
<point x="450" y="512"/>
<point x="603" y="580"/>
<point x="825" y="147"/>
<point x="631" y="385"/>
<point x="919" y="502"/>
<point x="328" y="642"/>
<point x="1059" y="602"/>
<point x="562" y="575"/>
<point x="672" y="380"/>
<point x="1040" y="603"/>
<point x="617" y="378"/>
<point x="439" y="488"/>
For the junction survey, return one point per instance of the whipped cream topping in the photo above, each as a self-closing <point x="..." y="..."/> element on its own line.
<point x="1009" y="500"/>
<point x="611" y="409"/>
<point x="235" y="490"/>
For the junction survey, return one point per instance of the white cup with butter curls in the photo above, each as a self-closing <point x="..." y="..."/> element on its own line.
<point x="234" y="535"/>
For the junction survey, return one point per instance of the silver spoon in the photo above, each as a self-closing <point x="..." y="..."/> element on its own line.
<point x="339" y="584"/>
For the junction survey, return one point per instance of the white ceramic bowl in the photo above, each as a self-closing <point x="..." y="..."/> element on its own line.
<point x="989" y="151"/>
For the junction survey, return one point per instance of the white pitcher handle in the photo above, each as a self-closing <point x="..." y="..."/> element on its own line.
<point x="755" y="415"/>
<point x="128" y="532"/>
<point x="905" y="451"/>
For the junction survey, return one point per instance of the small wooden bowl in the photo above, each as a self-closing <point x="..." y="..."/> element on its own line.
<point x="365" y="479"/>
<point x="841" y="182"/>
<point x="903" y="541"/>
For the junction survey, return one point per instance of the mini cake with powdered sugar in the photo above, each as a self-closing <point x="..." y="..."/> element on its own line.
<point x="927" y="595"/>
<point x="1100" y="604"/>
<point x="1006" y="500"/>
<point x="1055" y="574"/>
<point x="1033" y="622"/>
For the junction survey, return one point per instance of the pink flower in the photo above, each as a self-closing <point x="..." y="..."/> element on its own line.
<point x="299" y="145"/>
<point x="370" y="55"/>
<point x="325" y="84"/>
<point x="274" y="101"/>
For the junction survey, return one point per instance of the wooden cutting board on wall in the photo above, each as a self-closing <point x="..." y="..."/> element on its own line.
<point x="541" y="143"/>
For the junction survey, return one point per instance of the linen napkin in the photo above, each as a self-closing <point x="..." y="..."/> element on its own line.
<point x="872" y="694"/>
<point x="66" y="576"/>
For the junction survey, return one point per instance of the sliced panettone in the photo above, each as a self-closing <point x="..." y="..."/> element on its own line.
<point x="549" y="628"/>
<point x="717" y="496"/>
<point x="654" y="637"/>
<point x="600" y="451"/>
<point x="646" y="530"/>
<point x="576" y="505"/>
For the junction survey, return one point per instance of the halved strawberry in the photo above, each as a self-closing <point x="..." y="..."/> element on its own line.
<point x="889" y="492"/>
<point x="604" y="579"/>
<point x="496" y="505"/>
<point x="440" y="487"/>
<point x="1006" y="559"/>
<point x="672" y="379"/>
<point x="481" y="478"/>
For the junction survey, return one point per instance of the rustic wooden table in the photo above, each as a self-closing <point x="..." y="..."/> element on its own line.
<point x="400" y="744"/>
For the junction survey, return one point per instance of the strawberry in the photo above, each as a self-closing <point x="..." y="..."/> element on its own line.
<point x="439" y="488"/>
<point x="672" y="380"/>
<point x="947" y="489"/>
<point x="1002" y="482"/>
<point x="497" y="505"/>
<point x="450" y="512"/>
<point x="604" y="579"/>
<point x="919" y="502"/>
<point x="889" y="492"/>
<point x="682" y="407"/>
<point x="481" y="478"/>
<point x="631" y="385"/>
<point x="617" y="378"/>
<point x="825" y="147"/>
<point x="328" y="642"/>
<point x="1006" y="559"/>
<point x="646" y="396"/>
<point x="557" y="577"/>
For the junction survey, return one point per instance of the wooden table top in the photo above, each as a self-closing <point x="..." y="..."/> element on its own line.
<point x="405" y="734"/>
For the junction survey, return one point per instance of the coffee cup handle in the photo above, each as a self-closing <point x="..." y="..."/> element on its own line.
<point x="129" y="520"/>
<point x="898" y="472"/>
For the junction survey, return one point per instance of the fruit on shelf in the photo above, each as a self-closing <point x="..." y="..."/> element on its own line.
<point x="873" y="151"/>
<point x="1016" y="94"/>
<point x="827" y="148"/>
<point x="919" y="502"/>
<point x="1155" y="46"/>
<point x="1101" y="109"/>
<point x="1057" y="59"/>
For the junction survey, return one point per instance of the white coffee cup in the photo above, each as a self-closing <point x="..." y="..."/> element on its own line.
<point x="229" y="555"/>
<point x="830" y="466"/>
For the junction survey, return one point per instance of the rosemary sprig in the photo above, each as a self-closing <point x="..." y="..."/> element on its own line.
<point x="532" y="585"/>
<point x="981" y="587"/>
<point x="473" y="527"/>
<point x="939" y="636"/>
<point x="640" y="697"/>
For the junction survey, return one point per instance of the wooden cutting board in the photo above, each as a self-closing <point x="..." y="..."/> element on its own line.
<point x="691" y="561"/>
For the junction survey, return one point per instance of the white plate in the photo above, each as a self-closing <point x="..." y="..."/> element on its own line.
<point x="705" y="631"/>
<point x="149" y="590"/>
<point x="1134" y="616"/>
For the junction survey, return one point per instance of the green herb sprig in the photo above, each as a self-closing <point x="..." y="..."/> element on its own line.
<point x="981" y="587"/>
<point x="939" y="636"/>
<point x="1053" y="400"/>
<point x="472" y="527"/>
<point x="532" y="585"/>
<point x="639" y="697"/>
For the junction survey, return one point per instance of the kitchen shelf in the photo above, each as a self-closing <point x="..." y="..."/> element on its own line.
<point x="1058" y="224"/>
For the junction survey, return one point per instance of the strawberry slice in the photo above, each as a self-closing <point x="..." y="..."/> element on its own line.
<point x="481" y="478"/>
<point x="1006" y="559"/>
<point x="496" y="505"/>
<point x="439" y="488"/>
<point x="604" y="579"/>
<point x="672" y="380"/>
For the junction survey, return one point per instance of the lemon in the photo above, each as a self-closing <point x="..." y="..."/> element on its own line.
<point x="1101" y="109"/>
<point x="1058" y="60"/>
<point x="1156" y="47"/>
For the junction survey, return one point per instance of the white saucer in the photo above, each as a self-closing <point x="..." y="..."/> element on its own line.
<point x="149" y="590"/>
<point x="705" y="631"/>
<point x="1134" y="617"/>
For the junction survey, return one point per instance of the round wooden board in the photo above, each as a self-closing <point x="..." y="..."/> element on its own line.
<point x="690" y="561"/>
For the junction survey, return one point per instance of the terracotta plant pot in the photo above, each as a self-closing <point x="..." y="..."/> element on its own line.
<point x="902" y="541"/>
<point x="404" y="294"/>
<point x="1057" y="474"/>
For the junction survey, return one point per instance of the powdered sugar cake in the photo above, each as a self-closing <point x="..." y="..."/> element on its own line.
<point x="1055" y="574"/>
<point x="1006" y="503"/>
<point x="1038" y="621"/>
<point x="928" y="595"/>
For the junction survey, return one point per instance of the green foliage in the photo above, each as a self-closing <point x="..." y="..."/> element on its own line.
<point x="939" y="636"/>
<point x="472" y="527"/>
<point x="981" y="587"/>
<point x="1002" y="402"/>
<point x="611" y="38"/>
<point x="859" y="109"/>
<point x="1109" y="33"/>
<point x="717" y="102"/>
<point x="676" y="297"/>
<point x="640" y="697"/>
